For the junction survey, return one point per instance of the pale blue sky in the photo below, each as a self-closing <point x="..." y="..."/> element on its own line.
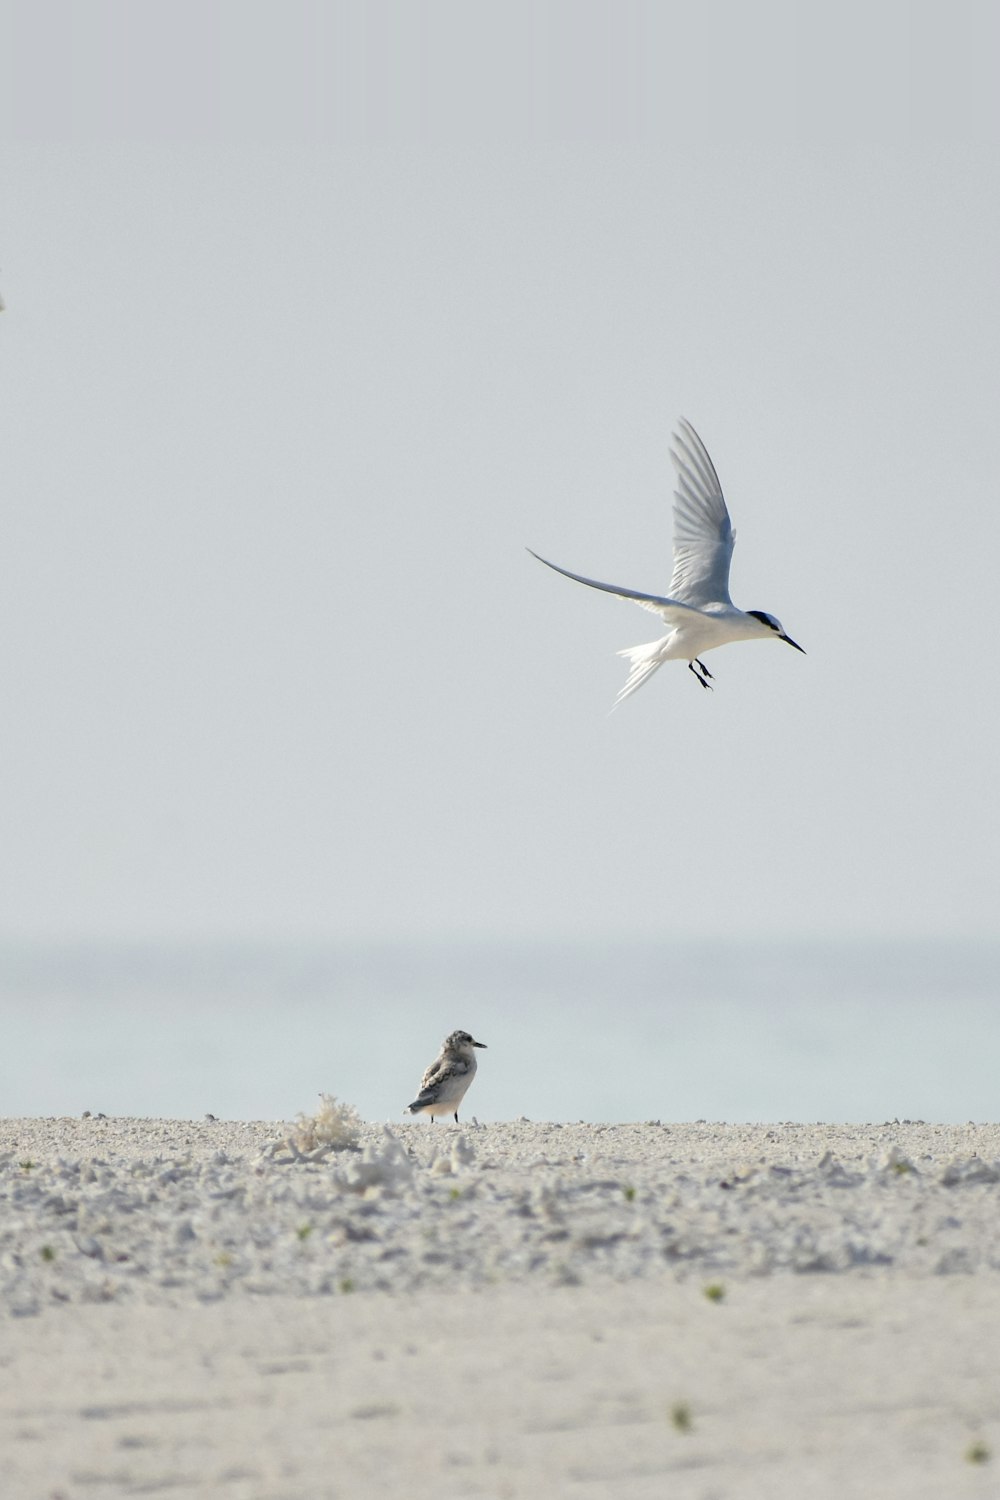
<point x="318" y="315"/>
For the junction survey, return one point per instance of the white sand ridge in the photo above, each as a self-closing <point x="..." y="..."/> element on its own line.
<point x="164" y="1210"/>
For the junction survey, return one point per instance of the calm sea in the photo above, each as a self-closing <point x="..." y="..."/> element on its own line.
<point x="668" y="1031"/>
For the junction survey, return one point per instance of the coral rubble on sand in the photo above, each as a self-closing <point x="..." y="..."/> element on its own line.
<point x="102" y="1210"/>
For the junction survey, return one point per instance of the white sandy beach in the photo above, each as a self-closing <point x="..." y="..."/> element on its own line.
<point x="511" y="1309"/>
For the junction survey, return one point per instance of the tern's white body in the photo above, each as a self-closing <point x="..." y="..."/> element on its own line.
<point x="698" y="609"/>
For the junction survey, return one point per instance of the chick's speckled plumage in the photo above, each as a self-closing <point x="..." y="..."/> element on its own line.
<point x="446" y="1082"/>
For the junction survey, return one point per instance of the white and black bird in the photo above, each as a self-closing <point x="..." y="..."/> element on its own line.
<point x="446" y="1082"/>
<point x="698" y="609"/>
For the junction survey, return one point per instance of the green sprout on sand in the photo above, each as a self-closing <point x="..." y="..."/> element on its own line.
<point x="978" y="1453"/>
<point x="304" y="1231"/>
<point x="26" y="1166"/>
<point x="47" y="1252"/>
<point x="629" y="1194"/>
<point x="455" y="1193"/>
<point x="680" y="1416"/>
<point x="715" y="1291"/>
<point x="902" y="1166"/>
<point x="346" y="1285"/>
<point x="224" y="1259"/>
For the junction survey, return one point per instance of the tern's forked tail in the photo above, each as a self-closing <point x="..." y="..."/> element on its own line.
<point x="645" y="661"/>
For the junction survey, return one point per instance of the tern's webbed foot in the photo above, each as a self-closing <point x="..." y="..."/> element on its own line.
<point x="701" y="677"/>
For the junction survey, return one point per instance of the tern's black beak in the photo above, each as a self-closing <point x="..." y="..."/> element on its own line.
<point x="792" y="643"/>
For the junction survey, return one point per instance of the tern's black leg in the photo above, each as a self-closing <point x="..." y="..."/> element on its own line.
<point x="456" y="1117"/>
<point x="702" y="681"/>
<point x="704" y="670"/>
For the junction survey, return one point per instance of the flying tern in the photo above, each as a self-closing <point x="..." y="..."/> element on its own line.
<point x="698" y="608"/>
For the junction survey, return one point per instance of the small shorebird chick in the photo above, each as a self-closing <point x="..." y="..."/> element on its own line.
<point x="446" y="1082"/>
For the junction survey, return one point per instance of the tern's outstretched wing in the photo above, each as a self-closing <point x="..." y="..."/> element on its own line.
<point x="671" y="610"/>
<point x="703" y="532"/>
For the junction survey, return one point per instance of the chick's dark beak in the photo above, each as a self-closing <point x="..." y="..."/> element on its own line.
<point x="792" y="643"/>
<point x="479" y="1044"/>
